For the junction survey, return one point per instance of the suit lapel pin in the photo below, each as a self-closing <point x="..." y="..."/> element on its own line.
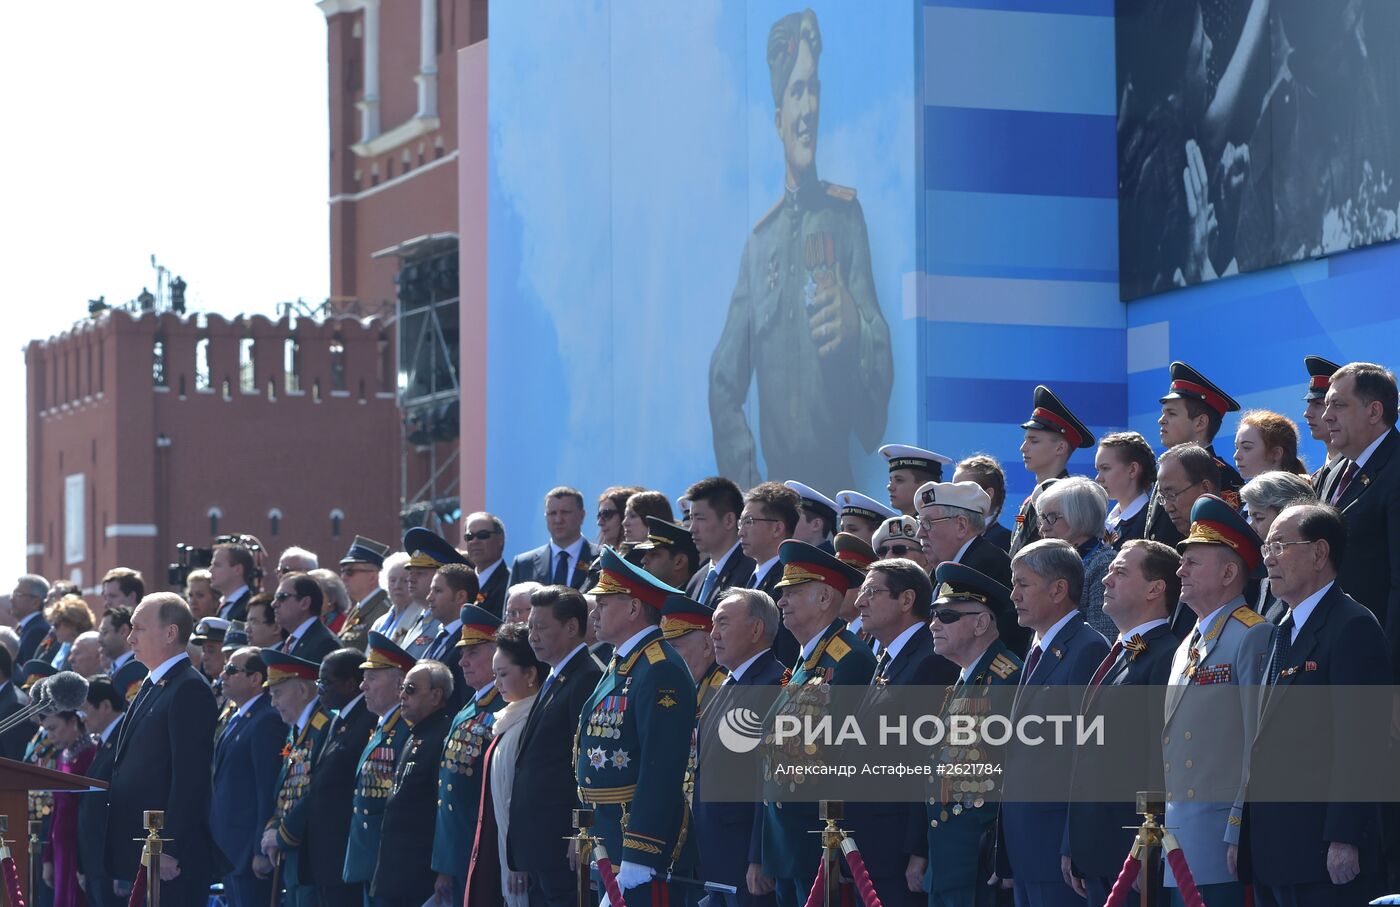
<point x="1309" y="666"/>
<point x="1057" y="652"/>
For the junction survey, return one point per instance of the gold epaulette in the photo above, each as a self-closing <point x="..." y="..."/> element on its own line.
<point x="318" y="721"/>
<point x="845" y="193"/>
<point x="1003" y="667"/>
<point x="837" y="648"/>
<point x="654" y="653"/>
<point x="1247" y="615"/>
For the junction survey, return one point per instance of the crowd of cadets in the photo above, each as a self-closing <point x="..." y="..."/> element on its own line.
<point x="354" y="756"/>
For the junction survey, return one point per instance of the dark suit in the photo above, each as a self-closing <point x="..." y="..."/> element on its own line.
<point x="881" y="829"/>
<point x="737" y="572"/>
<point x="1160" y="527"/>
<point x="989" y="560"/>
<point x="30" y="637"/>
<point x="725" y="831"/>
<point x="998" y="535"/>
<point x="329" y="804"/>
<point x="316" y="642"/>
<point x="538" y="565"/>
<point x="447" y="653"/>
<point x="13" y="741"/>
<point x="1033" y="832"/>
<point x="238" y="608"/>
<point x="162" y="762"/>
<point x="402" y="874"/>
<point x="1095" y="835"/>
<point x="1283" y="846"/>
<point x="1370" y="505"/>
<point x="785" y="645"/>
<point x="493" y="591"/>
<point x="545" y="793"/>
<point x="92" y="823"/>
<point x="247" y="756"/>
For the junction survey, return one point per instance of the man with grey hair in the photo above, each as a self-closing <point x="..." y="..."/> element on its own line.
<point x="952" y="516"/>
<point x="27" y="604"/>
<point x="296" y="560"/>
<point x="335" y="598"/>
<point x="745" y="623"/>
<point x="85" y="657"/>
<point x="484" y="541"/>
<point x="518" y="601"/>
<point x="1046" y="580"/>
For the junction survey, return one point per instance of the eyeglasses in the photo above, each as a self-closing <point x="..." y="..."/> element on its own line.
<point x="283" y="596"/>
<point x="605" y="515"/>
<point x="868" y="591"/>
<point x="408" y="688"/>
<point x="1171" y="496"/>
<point x="1274" y="549"/>
<point x="748" y="521"/>
<point x="894" y="550"/>
<point x="230" y="670"/>
<point x="352" y="570"/>
<point x="926" y="524"/>
<point x="482" y="536"/>
<point x="1050" y="519"/>
<point x="949" y="616"/>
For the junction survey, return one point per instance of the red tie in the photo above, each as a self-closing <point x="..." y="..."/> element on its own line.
<point x="1105" y="666"/>
<point x="1347" y="475"/>
<point x="1031" y="661"/>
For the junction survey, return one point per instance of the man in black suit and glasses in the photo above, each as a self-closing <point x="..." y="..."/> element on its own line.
<point x="544" y="794"/>
<point x="164" y="750"/>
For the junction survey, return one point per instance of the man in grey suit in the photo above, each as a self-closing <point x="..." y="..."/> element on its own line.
<point x="1207" y="731"/>
<point x="564" y="559"/>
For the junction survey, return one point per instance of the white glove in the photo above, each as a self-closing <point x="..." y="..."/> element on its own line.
<point x="630" y="875"/>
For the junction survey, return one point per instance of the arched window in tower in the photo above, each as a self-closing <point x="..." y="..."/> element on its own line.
<point x="337" y="364"/>
<point x="274" y="521"/>
<point x="247" y="372"/>
<point x="337" y="517"/>
<point x="202" y="379"/>
<point x="214" y="515"/>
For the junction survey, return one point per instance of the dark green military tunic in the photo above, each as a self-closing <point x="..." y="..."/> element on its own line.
<point x="815" y="237"/>
<point x="373" y="779"/>
<point x="293" y="780"/>
<point x="459" y="782"/>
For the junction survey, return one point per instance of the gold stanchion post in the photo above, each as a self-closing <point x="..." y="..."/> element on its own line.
<point x="831" y="811"/>
<point x="583" y="850"/>
<point x="1148" y="846"/>
<point x="153" y="847"/>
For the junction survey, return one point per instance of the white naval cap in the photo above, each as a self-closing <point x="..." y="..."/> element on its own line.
<point x="812" y="497"/>
<point x="962" y="495"/>
<point x="906" y="456"/>
<point x="857" y="504"/>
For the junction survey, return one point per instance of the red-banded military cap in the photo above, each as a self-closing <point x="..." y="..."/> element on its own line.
<point x="853" y="550"/>
<point x="1320" y="373"/>
<point x="804" y="563"/>
<point x="478" y="626"/>
<point x="619" y="577"/>
<point x="1049" y="414"/>
<point x="383" y="652"/>
<point x="1189" y="384"/>
<point x="282" y="667"/>
<point x="1214" y="522"/>
<point x="681" y="614"/>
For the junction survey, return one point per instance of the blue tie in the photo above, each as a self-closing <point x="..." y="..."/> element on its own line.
<point x="561" y="569"/>
<point x="708" y="587"/>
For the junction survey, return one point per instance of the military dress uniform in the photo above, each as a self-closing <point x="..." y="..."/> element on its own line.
<point x="459" y="775"/>
<point x="294" y="778"/>
<point x="1320" y="373"/>
<point x="1047" y="414"/>
<point x="363" y="615"/>
<point x="632" y="748"/>
<point x="374" y="776"/>
<point x="1189" y="384"/>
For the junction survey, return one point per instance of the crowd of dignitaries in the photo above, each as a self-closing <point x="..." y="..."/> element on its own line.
<point x="419" y="725"/>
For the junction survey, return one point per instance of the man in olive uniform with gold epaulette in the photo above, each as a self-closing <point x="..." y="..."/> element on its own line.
<point x="291" y="684"/>
<point x="952" y="847"/>
<point x="633" y="740"/>
<point x="459" y="776"/>
<point x="385" y="665"/>
<point x="804" y="317"/>
<point x="813" y="587"/>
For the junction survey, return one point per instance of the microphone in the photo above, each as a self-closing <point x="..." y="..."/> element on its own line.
<point x="66" y="691"/>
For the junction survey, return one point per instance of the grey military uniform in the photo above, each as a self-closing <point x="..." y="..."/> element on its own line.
<point x="806" y="403"/>
<point x="1207" y="734"/>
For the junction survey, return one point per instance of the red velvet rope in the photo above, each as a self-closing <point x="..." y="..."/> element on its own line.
<point x="815" y="898"/>
<point x="138" y="890"/>
<point x="7" y="866"/>
<point x="1126" y="877"/>
<point x="1184" y="880"/>
<point x="860" y="874"/>
<point x="605" y="872"/>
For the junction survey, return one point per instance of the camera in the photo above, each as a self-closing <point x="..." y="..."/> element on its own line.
<point x="189" y="558"/>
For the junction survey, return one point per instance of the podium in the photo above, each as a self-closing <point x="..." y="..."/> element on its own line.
<point x="17" y="779"/>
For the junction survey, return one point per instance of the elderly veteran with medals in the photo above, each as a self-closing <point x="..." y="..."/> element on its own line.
<point x="385" y="665"/>
<point x="814" y="585"/>
<point x="459" y="774"/>
<point x="957" y="828"/>
<point x="633" y="741"/>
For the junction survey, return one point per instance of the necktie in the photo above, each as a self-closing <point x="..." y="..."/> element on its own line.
<point x="881" y="663"/>
<point x="1031" y="661"/>
<point x="708" y="587"/>
<point x="1347" y="476"/>
<point x="753" y="580"/>
<point x="561" y="569"/>
<point x="435" y="649"/>
<point x="544" y="687"/>
<point x="287" y="646"/>
<point x="1105" y="666"/>
<point x="1193" y="655"/>
<point x="1283" y="643"/>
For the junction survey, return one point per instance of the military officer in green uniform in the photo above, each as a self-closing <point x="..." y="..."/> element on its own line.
<point x="958" y="824"/>
<point x="385" y="665"/>
<point x="291" y="684"/>
<point x="633" y="740"/>
<point x="459" y="776"/>
<point x="686" y="625"/>
<point x="813" y="588"/>
<point x="804" y="316"/>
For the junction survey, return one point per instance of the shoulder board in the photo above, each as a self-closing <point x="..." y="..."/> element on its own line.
<point x="654" y="653"/>
<point x="1247" y="615"/>
<point x="1003" y="667"/>
<point x="319" y="720"/>
<point x="718" y="677"/>
<point x="837" y="648"/>
<point x="844" y="193"/>
<point x="772" y="212"/>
